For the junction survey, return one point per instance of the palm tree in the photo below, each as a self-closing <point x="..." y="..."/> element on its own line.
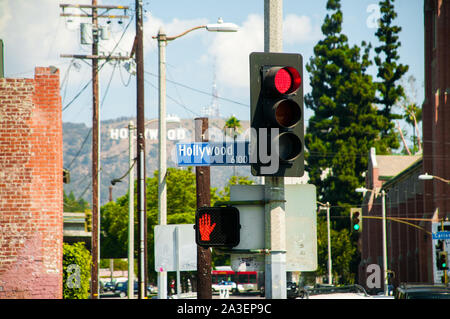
<point x="233" y="126"/>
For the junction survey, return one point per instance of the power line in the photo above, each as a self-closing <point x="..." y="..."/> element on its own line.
<point x="79" y="150"/>
<point x="101" y="66"/>
<point x="200" y="91"/>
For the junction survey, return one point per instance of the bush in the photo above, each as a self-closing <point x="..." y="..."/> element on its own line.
<point x="76" y="271"/>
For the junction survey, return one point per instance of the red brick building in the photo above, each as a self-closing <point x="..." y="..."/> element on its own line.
<point x="414" y="203"/>
<point x="31" y="186"/>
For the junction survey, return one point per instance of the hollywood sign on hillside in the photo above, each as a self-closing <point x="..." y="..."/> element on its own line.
<point x="175" y="134"/>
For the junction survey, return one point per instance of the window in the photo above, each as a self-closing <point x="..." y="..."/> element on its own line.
<point x="243" y="278"/>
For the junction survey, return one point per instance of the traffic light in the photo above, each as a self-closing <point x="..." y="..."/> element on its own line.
<point x="276" y="114"/>
<point x="66" y="176"/>
<point x="217" y="226"/>
<point x="356" y="218"/>
<point x="442" y="260"/>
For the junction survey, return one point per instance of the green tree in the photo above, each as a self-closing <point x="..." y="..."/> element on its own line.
<point x="345" y="123"/>
<point x="342" y="252"/>
<point x="76" y="271"/>
<point x="181" y="207"/>
<point x="233" y="128"/>
<point x="389" y="91"/>
<point x="386" y="59"/>
<point x="71" y="204"/>
<point x="412" y="112"/>
<point x="114" y="229"/>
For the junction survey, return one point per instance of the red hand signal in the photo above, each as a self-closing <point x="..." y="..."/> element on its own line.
<point x="205" y="227"/>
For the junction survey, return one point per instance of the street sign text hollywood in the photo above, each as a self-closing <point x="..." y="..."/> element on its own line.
<point x="258" y="149"/>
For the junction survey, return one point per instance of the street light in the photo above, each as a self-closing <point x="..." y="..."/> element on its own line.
<point x="162" y="38"/>
<point x="383" y="207"/>
<point x="426" y="177"/>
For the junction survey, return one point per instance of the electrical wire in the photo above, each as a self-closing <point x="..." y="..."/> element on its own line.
<point x="200" y="91"/>
<point x="79" y="150"/>
<point x="100" y="67"/>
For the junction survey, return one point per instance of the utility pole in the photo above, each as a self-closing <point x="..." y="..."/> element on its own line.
<point x="140" y="118"/>
<point x="95" y="158"/>
<point x="385" y="265"/>
<point x="330" y="278"/>
<point x="275" y="217"/>
<point x="95" y="245"/>
<point x="202" y="178"/>
<point x="162" y="150"/>
<point x="130" y="212"/>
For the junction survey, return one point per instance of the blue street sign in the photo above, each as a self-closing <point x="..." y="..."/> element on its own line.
<point x="441" y="235"/>
<point x="213" y="154"/>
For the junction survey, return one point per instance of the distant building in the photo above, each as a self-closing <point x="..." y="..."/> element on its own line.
<point x="415" y="203"/>
<point x="75" y="229"/>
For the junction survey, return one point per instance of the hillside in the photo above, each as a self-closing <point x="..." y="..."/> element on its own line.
<point x="114" y="154"/>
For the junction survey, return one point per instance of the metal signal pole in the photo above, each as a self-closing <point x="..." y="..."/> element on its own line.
<point x="140" y="118"/>
<point x="275" y="217"/>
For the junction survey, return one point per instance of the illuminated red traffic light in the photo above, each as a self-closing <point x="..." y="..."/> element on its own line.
<point x="284" y="80"/>
<point x="276" y="114"/>
<point x="287" y="80"/>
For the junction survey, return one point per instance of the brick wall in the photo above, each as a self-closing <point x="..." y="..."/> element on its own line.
<point x="436" y="116"/>
<point x="31" y="188"/>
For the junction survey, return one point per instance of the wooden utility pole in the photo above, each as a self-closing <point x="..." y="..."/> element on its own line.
<point x="95" y="239"/>
<point x="140" y="119"/>
<point x="202" y="178"/>
<point x="95" y="158"/>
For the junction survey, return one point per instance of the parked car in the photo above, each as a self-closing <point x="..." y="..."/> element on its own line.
<point x="121" y="289"/>
<point x="422" y="291"/>
<point x="231" y="285"/>
<point x="333" y="292"/>
<point x="109" y="286"/>
<point x="292" y="290"/>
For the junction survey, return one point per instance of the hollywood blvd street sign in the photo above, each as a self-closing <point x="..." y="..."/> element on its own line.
<point x="213" y="154"/>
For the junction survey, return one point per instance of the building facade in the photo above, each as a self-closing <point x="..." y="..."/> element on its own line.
<point x="31" y="186"/>
<point x="412" y="205"/>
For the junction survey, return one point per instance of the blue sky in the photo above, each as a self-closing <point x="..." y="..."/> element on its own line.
<point x="35" y="35"/>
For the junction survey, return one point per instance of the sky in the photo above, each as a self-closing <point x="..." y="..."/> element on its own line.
<point x="34" y="34"/>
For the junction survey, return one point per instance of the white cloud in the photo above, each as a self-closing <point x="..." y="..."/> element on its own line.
<point x="299" y="29"/>
<point x="34" y="37"/>
<point x="231" y="51"/>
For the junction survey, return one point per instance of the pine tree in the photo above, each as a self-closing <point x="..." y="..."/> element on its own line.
<point x="345" y="123"/>
<point x="389" y="71"/>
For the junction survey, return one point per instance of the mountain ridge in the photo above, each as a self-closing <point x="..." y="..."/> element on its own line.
<point x="77" y="154"/>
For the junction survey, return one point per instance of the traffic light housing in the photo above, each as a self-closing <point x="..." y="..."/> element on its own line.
<point x="66" y="176"/>
<point x="356" y="219"/>
<point x="217" y="226"/>
<point x="442" y="262"/>
<point x="276" y="114"/>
